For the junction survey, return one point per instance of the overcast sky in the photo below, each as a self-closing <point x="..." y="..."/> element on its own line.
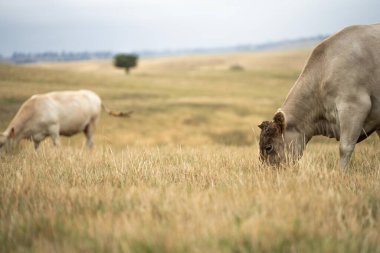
<point x="129" y="25"/>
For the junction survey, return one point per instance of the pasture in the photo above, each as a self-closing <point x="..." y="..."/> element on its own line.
<point x="182" y="174"/>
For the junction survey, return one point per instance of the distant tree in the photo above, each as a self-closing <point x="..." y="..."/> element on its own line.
<point x="236" y="67"/>
<point x="126" y="61"/>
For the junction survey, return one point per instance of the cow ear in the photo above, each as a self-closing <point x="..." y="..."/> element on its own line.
<point x="263" y="125"/>
<point x="279" y="119"/>
<point x="12" y="134"/>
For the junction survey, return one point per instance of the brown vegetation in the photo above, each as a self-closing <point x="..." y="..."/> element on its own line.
<point x="183" y="173"/>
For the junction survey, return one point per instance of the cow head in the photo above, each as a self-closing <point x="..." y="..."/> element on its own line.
<point x="5" y="139"/>
<point x="272" y="145"/>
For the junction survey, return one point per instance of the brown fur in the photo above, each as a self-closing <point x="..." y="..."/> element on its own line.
<point x="271" y="141"/>
<point x="337" y="95"/>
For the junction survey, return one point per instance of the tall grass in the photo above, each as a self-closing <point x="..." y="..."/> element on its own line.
<point x="182" y="199"/>
<point x="182" y="175"/>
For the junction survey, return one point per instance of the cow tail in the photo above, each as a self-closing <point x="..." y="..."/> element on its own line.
<point x="117" y="114"/>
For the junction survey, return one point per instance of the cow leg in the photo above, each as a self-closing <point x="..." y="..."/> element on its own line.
<point x="36" y="144"/>
<point x="54" y="133"/>
<point x="37" y="138"/>
<point x="351" y="117"/>
<point x="89" y="131"/>
<point x="56" y="140"/>
<point x="378" y="133"/>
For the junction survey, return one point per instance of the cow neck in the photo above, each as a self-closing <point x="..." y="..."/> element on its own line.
<point x="302" y="107"/>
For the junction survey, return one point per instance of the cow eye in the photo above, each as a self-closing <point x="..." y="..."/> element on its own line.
<point x="268" y="148"/>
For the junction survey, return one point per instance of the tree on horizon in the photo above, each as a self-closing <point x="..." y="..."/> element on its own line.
<point x="126" y="61"/>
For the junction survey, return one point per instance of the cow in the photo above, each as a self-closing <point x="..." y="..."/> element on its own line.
<point x="56" y="113"/>
<point x="336" y="95"/>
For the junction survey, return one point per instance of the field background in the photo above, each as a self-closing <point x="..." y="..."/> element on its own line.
<point x="182" y="174"/>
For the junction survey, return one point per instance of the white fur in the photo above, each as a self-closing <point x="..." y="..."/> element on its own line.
<point x="54" y="114"/>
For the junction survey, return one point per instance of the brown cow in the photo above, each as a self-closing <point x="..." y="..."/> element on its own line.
<point x="337" y="95"/>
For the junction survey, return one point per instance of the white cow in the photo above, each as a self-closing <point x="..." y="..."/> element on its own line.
<point x="56" y="113"/>
<point x="337" y="95"/>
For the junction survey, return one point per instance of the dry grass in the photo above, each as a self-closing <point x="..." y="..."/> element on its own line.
<point x="182" y="175"/>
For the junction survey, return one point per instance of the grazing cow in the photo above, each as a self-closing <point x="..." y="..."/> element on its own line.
<point x="56" y="113"/>
<point x="337" y="95"/>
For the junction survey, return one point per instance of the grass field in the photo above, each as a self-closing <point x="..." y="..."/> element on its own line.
<point x="182" y="174"/>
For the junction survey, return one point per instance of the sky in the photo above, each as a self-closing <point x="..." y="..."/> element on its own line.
<point x="134" y="25"/>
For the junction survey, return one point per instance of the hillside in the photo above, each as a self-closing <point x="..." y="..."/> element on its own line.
<point x="198" y="97"/>
<point x="23" y="58"/>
